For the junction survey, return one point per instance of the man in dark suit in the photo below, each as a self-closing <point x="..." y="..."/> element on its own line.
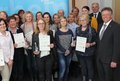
<point x="96" y="13"/>
<point x="108" y="50"/>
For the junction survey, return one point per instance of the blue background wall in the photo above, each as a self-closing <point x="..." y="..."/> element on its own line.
<point x="52" y="6"/>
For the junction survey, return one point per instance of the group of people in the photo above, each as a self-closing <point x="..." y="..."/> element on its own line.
<point x="102" y="44"/>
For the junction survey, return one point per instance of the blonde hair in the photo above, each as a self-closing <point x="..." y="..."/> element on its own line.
<point x="84" y="16"/>
<point x="28" y="12"/>
<point x="61" y="19"/>
<point x="45" y="27"/>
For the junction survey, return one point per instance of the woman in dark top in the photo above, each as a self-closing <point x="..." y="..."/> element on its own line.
<point x="18" y="65"/>
<point x="63" y="41"/>
<point x="86" y="58"/>
<point x="43" y="63"/>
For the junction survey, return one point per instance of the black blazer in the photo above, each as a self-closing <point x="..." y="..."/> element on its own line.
<point x="90" y="34"/>
<point x="109" y="46"/>
<point x="99" y="18"/>
<point x="35" y="38"/>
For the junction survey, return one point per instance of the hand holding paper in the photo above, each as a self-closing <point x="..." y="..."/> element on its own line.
<point x="19" y="40"/>
<point x="81" y="44"/>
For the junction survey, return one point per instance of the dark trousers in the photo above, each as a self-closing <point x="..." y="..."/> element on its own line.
<point x="105" y="73"/>
<point x="87" y="68"/>
<point x="29" y="64"/>
<point x="0" y="78"/>
<point x="18" y="65"/>
<point x="63" y="63"/>
<point x="44" y="68"/>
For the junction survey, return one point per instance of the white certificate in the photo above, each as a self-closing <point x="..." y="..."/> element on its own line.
<point x="44" y="53"/>
<point x="19" y="40"/>
<point x="44" y="41"/>
<point x="28" y="36"/>
<point x="2" y="63"/>
<point x="81" y="44"/>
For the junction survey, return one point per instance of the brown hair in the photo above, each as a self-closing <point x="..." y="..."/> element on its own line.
<point x="107" y="9"/>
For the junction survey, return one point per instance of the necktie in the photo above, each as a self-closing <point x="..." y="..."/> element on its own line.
<point x="102" y="31"/>
<point x="95" y="15"/>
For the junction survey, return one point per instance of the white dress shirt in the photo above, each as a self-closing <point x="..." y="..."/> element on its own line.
<point x="105" y="27"/>
<point x="6" y="44"/>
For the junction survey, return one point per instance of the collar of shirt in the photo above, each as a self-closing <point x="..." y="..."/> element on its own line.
<point x="5" y="34"/>
<point x="96" y="14"/>
<point x="105" y="26"/>
<point x="9" y="29"/>
<point x="73" y="25"/>
<point x="107" y="23"/>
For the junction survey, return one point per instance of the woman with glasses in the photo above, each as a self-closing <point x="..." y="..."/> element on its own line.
<point x="44" y="59"/>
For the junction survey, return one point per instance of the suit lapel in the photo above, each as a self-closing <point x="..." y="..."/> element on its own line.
<point x="106" y="32"/>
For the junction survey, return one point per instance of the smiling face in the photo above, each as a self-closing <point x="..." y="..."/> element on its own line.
<point x="39" y="16"/>
<point x="85" y="11"/>
<point x="12" y="23"/>
<point x="46" y="18"/>
<point x="63" y="22"/>
<point x="75" y="11"/>
<point x="2" y="26"/>
<point x="3" y="15"/>
<point x="106" y="16"/>
<point x="56" y="19"/>
<point x="41" y="25"/>
<point x="61" y="13"/>
<point x="95" y="7"/>
<point x="28" y="17"/>
<point x="71" y="18"/>
<point x="84" y="20"/>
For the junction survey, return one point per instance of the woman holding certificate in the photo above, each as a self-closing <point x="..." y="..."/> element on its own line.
<point x="19" y="44"/>
<point x="6" y="51"/>
<point x="42" y="47"/>
<point x="63" y="41"/>
<point x="85" y="57"/>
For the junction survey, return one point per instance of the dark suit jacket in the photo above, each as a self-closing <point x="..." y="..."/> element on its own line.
<point x="99" y="18"/>
<point x="109" y="46"/>
<point x="35" y="38"/>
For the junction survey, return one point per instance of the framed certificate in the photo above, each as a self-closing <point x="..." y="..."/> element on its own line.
<point x="19" y="40"/>
<point x="2" y="63"/>
<point x="81" y="44"/>
<point x="44" y="41"/>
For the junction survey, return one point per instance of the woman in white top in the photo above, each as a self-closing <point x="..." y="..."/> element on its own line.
<point x="7" y="48"/>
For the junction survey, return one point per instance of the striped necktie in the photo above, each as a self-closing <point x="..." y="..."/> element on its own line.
<point x="102" y="31"/>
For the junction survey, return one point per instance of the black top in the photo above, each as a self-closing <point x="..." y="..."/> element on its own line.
<point x="91" y="36"/>
<point x="35" y="38"/>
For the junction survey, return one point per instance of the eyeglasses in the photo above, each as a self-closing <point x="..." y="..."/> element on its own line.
<point x="41" y="23"/>
<point x="82" y="19"/>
